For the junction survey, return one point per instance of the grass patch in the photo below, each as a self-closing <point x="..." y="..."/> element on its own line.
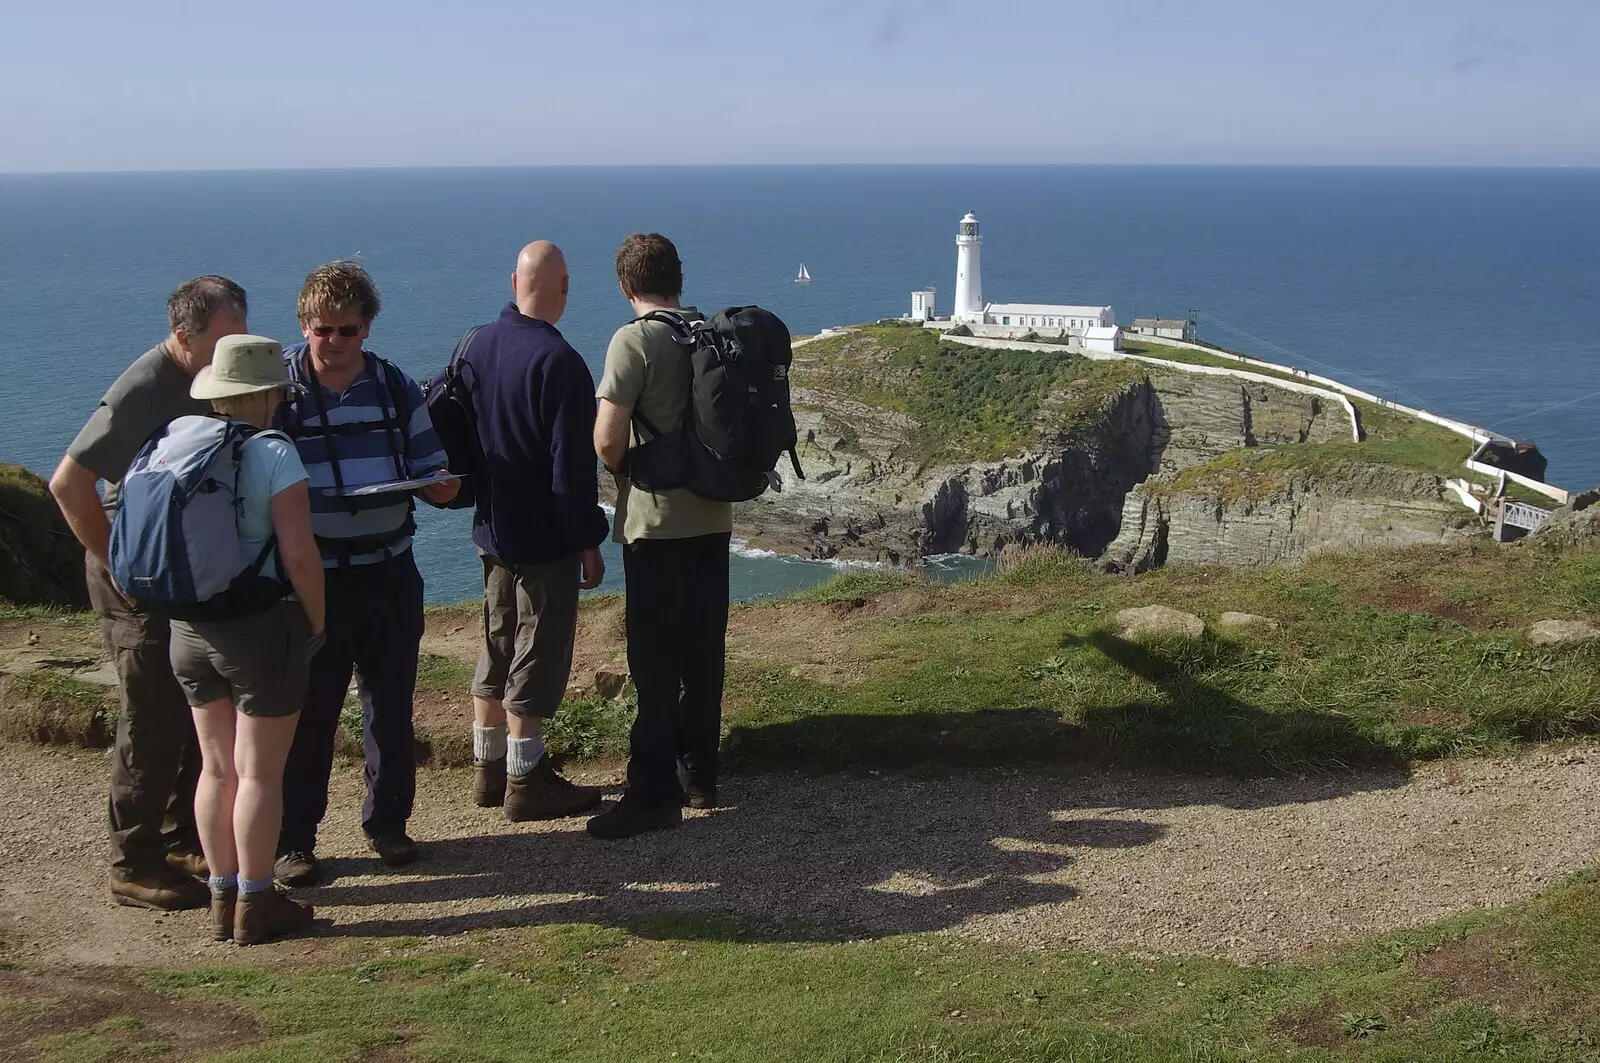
<point x="966" y="402"/>
<point x="592" y="727"/>
<point x="1380" y="656"/>
<point x="848" y="586"/>
<point x="694" y="988"/>
<point x="50" y="708"/>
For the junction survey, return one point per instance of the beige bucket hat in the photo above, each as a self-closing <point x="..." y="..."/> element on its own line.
<point x="241" y="365"/>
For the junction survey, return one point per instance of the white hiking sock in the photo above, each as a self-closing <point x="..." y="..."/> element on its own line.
<point x="489" y="743"/>
<point x="522" y="754"/>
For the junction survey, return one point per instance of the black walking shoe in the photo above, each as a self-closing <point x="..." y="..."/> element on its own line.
<point x="395" y="850"/>
<point x="544" y="794"/>
<point x="696" y="793"/>
<point x="299" y="868"/>
<point x="699" y="797"/>
<point x="489" y="783"/>
<point x="628" y="818"/>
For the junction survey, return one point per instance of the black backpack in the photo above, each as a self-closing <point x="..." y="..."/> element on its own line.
<point x="737" y="422"/>
<point x="450" y="407"/>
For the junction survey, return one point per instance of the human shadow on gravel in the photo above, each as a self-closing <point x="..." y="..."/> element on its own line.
<point x="789" y="858"/>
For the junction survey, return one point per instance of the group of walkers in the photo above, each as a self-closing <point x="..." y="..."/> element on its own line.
<point x="230" y="706"/>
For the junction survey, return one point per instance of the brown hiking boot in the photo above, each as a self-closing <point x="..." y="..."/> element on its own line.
<point x="166" y="890"/>
<point x="489" y="783"/>
<point x="543" y="794"/>
<point x="190" y="862"/>
<point x="222" y="909"/>
<point x="268" y="914"/>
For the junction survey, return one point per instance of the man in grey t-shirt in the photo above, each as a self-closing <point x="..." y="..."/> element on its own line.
<point x="155" y="852"/>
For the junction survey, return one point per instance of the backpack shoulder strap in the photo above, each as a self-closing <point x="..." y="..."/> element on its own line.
<point x="460" y="352"/>
<point x="399" y="394"/>
<point x="683" y="332"/>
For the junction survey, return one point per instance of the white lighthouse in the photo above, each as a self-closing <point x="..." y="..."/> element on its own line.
<point x="969" y="273"/>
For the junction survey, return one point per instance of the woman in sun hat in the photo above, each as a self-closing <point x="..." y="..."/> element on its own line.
<point x="245" y="678"/>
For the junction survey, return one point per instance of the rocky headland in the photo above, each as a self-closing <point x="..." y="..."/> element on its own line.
<point x="914" y="445"/>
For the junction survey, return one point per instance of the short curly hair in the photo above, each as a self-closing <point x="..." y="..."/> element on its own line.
<point x="340" y="287"/>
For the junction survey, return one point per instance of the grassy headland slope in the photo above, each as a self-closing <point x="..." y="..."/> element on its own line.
<point x="915" y="445"/>
<point x="1376" y="656"/>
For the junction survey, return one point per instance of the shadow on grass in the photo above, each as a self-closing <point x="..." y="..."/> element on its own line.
<point x="1192" y="726"/>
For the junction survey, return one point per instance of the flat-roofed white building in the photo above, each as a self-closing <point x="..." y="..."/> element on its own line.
<point x="922" y="305"/>
<point x="1048" y="316"/>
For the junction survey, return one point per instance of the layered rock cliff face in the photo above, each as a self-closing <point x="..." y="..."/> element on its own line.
<point x="1284" y="516"/>
<point x="1097" y="480"/>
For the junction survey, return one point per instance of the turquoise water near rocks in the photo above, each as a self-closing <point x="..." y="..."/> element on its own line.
<point x="1468" y="292"/>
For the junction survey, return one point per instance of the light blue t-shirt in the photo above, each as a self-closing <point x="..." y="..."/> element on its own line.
<point x="267" y="466"/>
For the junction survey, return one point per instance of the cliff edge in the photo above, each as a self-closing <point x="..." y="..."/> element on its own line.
<point x="40" y="562"/>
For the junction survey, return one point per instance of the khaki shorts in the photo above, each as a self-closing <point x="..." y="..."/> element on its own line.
<point x="258" y="662"/>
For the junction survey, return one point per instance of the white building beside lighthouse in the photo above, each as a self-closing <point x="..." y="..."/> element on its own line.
<point x="1095" y="327"/>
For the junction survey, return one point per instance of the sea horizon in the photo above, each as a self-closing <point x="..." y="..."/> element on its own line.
<point x="865" y="164"/>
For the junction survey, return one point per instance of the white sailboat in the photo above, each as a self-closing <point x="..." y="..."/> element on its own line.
<point x="803" y="277"/>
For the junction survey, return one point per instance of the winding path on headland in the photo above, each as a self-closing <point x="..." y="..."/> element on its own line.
<point x="1110" y="859"/>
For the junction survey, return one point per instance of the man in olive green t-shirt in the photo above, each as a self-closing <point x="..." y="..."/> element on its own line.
<point x="156" y="757"/>
<point x="674" y="558"/>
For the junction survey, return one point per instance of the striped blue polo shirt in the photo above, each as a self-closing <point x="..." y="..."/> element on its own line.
<point x="375" y="433"/>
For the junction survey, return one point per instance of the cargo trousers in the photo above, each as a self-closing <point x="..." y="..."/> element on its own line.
<point x="156" y="758"/>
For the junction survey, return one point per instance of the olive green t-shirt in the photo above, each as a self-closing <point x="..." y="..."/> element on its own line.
<point x="148" y="394"/>
<point x="648" y="371"/>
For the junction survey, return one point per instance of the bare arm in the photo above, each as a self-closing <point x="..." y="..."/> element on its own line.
<point x="73" y="489"/>
<point x="291" y="521"/>
<point x="612" y="428"/>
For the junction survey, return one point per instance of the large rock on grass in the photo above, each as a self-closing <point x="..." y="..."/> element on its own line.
<point x="1240" y="623"/>
<point x="1159" y="621"/>
<point x="1562" y="632"/>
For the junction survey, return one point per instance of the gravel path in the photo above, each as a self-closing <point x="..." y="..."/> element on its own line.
<point x="1249" y="869"/>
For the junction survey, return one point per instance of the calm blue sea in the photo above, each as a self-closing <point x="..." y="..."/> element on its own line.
<point x="1470" y="292"/>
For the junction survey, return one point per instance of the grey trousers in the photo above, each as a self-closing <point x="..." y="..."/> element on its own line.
<point x="156" y="760"/>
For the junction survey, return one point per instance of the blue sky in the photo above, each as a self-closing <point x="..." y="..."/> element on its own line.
<point x="133" y="85"/>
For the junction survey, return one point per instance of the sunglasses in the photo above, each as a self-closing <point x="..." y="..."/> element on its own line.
<point x="347" y="331"/>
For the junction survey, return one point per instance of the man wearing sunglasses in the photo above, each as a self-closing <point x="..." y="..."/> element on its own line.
<point x="359" y="421"/>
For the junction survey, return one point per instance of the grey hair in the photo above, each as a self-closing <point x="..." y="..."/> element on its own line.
<point x="192" y="304"/>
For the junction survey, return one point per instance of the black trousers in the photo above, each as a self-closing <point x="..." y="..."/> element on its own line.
<point x="374" y="630"/>
<point x="677" y="618"/>
<point x="156" y="760"/>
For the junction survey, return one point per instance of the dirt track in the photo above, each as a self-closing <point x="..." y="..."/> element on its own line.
<point x="1112" y="860"/>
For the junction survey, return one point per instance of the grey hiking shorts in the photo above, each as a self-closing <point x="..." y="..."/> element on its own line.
<point x="530" y="618"/>
<point x="260" y="663"/>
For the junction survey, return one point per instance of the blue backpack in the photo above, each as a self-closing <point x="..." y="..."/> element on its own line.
<point x="175" y="546"/>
